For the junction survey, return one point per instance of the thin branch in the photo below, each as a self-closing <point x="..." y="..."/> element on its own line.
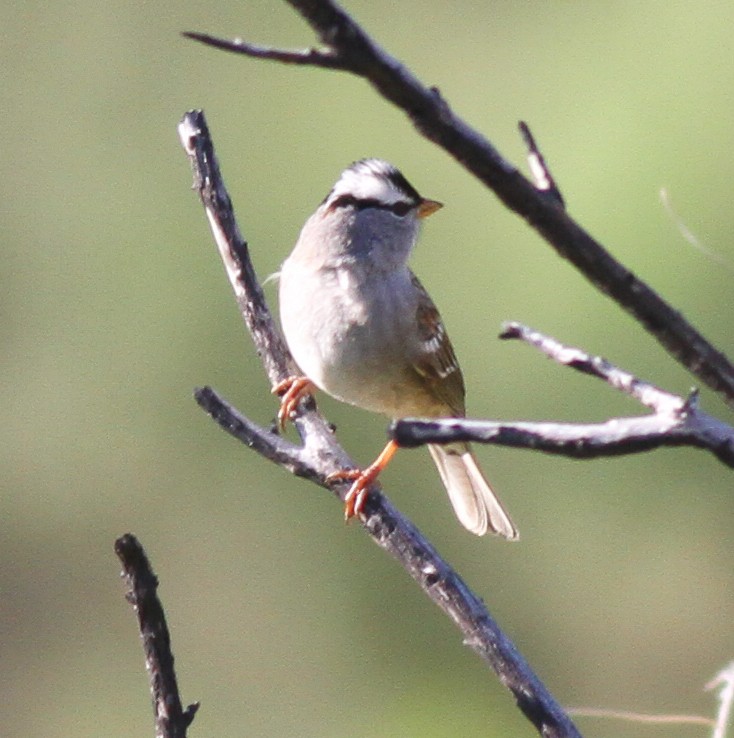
<point x="171" y="721"/>
<point x="536" y="161"/>
<point x="321" y="454"/>
<point x="725" y="680"/>
<point x="645" y="393"/>
<point x="266" y="442"/>
<point x="349" y="48"/>
<point x="676" y="421"/>
<point x="641" y="717"/>
<point x="233" y="250"/>
<point x="307" y="57"/>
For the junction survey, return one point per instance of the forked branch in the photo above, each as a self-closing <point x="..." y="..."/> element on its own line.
<point x="321" y="454"/>
<point x="675" y="421"/>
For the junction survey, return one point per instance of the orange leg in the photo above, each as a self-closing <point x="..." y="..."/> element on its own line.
<point x="291" y="391"/>
<point x="363" y="478"/>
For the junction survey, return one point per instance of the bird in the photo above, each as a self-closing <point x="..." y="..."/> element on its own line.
<point x="362" y="328"/>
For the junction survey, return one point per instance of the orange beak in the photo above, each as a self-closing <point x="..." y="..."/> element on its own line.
<point x="427" y="207"/>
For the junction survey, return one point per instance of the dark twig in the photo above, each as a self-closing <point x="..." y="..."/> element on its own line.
<point x="347" y="47"/>
<point x="675" y="421"/>
<point x="171" y="721"/>
<point x="321" y="454"/>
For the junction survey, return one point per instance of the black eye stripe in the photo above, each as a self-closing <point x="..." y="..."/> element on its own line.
<point x="399" y="208"/>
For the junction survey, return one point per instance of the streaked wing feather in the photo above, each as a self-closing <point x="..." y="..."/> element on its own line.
<point x="437" y="361"/>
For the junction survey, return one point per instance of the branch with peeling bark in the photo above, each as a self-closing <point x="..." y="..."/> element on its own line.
<point x="347" y="47"/>
<point x="675" y="421"/>
<point x="320" y="455"/>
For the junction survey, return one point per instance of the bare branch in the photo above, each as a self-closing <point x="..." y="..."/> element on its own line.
<point x="265" y="441"/>
<point x="645" y="393"/>
<point x="643" y="718"/>
<point x="233" y="250"/>
<point x="321" y="454"/>
<point x="309" y="57"/>
<point x="676" y="421"/>
<point x="171" y="721"/>
<point x="725" y="681"/>
<point x="349" y="48"/>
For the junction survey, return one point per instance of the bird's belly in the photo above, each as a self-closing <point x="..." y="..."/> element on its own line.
<point x="355" y="363"/>
<point x="352" y="346"/>
<point x="373" y="376"/>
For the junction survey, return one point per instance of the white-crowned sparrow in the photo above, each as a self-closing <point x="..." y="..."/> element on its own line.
<point x="363" y="329"/>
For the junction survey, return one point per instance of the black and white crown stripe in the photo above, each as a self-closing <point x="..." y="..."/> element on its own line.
<point x="373" y="183"/>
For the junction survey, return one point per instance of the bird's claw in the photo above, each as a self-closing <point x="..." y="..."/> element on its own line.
<point x="356" y="497"/>
<point x="291" y="391"/>
<point x="362" y="480"/>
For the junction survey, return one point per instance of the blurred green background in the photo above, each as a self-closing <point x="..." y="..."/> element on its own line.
<point x="115" y="306"/>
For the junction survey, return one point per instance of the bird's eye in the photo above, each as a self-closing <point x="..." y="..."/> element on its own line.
<point x="401" y="208"/>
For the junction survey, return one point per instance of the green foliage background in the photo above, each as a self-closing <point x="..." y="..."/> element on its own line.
<point x="114" y="306"/>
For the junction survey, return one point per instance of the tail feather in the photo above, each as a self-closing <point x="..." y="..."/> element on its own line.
<point x="475" y="504"/>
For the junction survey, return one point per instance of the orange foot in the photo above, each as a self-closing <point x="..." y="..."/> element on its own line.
<point x="291" y="391"/>
<point x="363" y="478"/>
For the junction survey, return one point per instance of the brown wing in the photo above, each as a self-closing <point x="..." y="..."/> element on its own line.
<point x="436" y="361"/>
